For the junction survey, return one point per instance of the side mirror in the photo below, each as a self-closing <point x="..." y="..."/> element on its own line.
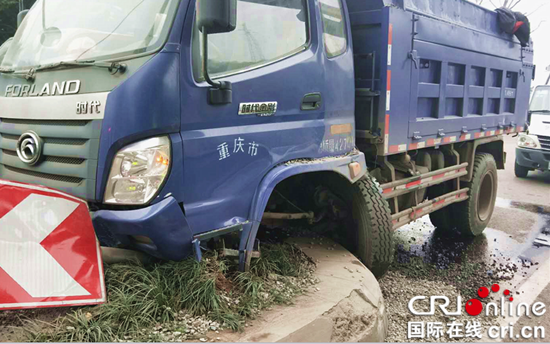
<point x="216" y="16"/>
<point x="20" y="16"/>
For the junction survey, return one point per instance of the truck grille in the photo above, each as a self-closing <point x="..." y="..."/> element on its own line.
<point x="544" y="142"/>
<point x="69" y="156"/>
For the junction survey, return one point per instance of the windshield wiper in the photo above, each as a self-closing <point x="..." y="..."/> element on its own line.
<point x="11" y="71"/>
<point x="113" y="67"/>
<point x="543" y="111"/>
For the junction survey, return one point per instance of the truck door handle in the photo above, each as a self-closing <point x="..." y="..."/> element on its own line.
<point x="311" y="101"/>
<point x="413" y="55"/>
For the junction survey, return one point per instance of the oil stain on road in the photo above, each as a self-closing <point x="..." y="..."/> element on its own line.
<point x="512" y="253"/>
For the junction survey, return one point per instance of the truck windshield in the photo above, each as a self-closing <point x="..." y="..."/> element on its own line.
<point x="4" y="48"/>
<point x="541" y="100"/>
<point x="71" y="30"/>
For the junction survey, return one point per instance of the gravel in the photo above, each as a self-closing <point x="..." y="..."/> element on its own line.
<point x="184" y="327"/>
<point x="398" y="290"/>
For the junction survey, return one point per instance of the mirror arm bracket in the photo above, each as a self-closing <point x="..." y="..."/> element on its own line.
<point x="221" y="91"/>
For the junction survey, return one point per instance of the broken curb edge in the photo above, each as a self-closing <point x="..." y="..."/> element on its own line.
<point x="346" y="305"/>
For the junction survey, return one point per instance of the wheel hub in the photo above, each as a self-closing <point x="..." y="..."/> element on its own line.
<point x="485" y="197"/>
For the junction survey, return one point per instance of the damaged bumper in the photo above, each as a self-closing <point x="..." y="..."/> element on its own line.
<point x="160" y="230"/>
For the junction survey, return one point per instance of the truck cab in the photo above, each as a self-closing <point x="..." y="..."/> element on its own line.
<point x="110" y="103"/>
<point x="533" y="150"/>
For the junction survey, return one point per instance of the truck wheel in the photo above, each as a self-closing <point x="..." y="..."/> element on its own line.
<point x="373" y="226"/>
<point x="520" y="171"/>
<point x="473" y="215"/>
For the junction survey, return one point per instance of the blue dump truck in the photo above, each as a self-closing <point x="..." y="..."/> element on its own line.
<point x="183" y="122"/>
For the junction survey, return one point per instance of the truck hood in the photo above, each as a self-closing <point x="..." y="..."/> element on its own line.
<point x="540" y="125"/>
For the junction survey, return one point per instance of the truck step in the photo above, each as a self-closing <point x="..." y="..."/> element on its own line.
<point x="422" y="181"/>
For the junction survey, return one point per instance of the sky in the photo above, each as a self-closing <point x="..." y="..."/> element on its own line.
<point x="538" y="12"/>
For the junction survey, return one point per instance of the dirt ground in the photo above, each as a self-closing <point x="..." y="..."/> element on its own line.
<point x="12" y="323"/>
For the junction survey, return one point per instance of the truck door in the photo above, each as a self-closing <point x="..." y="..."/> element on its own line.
<point x="277" y="66"/>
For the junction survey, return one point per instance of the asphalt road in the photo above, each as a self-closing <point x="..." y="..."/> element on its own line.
<point x="533" y="322"/>
<point x="532" y="197"/>
<point x="522" y="211"/>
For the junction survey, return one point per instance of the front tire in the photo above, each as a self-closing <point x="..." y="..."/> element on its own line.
<point x="473" y="215"/>
<point x="520" y="171"/>
<point x="373" y="226"/>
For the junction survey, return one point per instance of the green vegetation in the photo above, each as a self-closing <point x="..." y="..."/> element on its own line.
<point x="142" y="297"/>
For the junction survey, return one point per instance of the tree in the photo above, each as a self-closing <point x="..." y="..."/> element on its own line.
<point x="8" y="18"/>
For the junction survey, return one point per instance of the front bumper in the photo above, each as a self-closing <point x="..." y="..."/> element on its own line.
<point x="163" y="223"/>
<point x="536" y="159"/>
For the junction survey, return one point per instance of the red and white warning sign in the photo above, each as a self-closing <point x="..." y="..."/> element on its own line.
<point x="49" y="254"/>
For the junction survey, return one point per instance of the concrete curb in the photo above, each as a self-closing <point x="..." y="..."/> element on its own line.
<point x="346" y="306"/>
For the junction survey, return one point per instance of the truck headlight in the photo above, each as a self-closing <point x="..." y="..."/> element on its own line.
<point x="528" y="141"/>
<point x="138" y="171"/>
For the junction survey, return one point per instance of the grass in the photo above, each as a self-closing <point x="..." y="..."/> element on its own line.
<point x="142" y="296"/>
<point x="280" y="260"/>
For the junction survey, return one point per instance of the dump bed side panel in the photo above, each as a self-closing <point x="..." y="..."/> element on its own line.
<point x="458" y="12"/>
<point x="444" y="73"/>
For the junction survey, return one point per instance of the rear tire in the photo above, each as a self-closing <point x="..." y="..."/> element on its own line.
<point x="520" y="171"/>
<point x="373" y="226"/>
<point x="442" y="219"/>
<point x="473" y="215"/>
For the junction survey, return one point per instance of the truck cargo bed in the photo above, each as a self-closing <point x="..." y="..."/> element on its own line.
<point x="431" y="72"/>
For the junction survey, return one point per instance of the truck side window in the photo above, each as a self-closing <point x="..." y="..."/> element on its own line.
<point x="334" y="29"/>
<point x="267" y="30"/>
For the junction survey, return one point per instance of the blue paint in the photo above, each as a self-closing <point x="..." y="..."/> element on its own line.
<point x="197" y="249"/>
<point x="225" y="166"/>
<point x="459" y="47"/>
<point x="163" y="223"/>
